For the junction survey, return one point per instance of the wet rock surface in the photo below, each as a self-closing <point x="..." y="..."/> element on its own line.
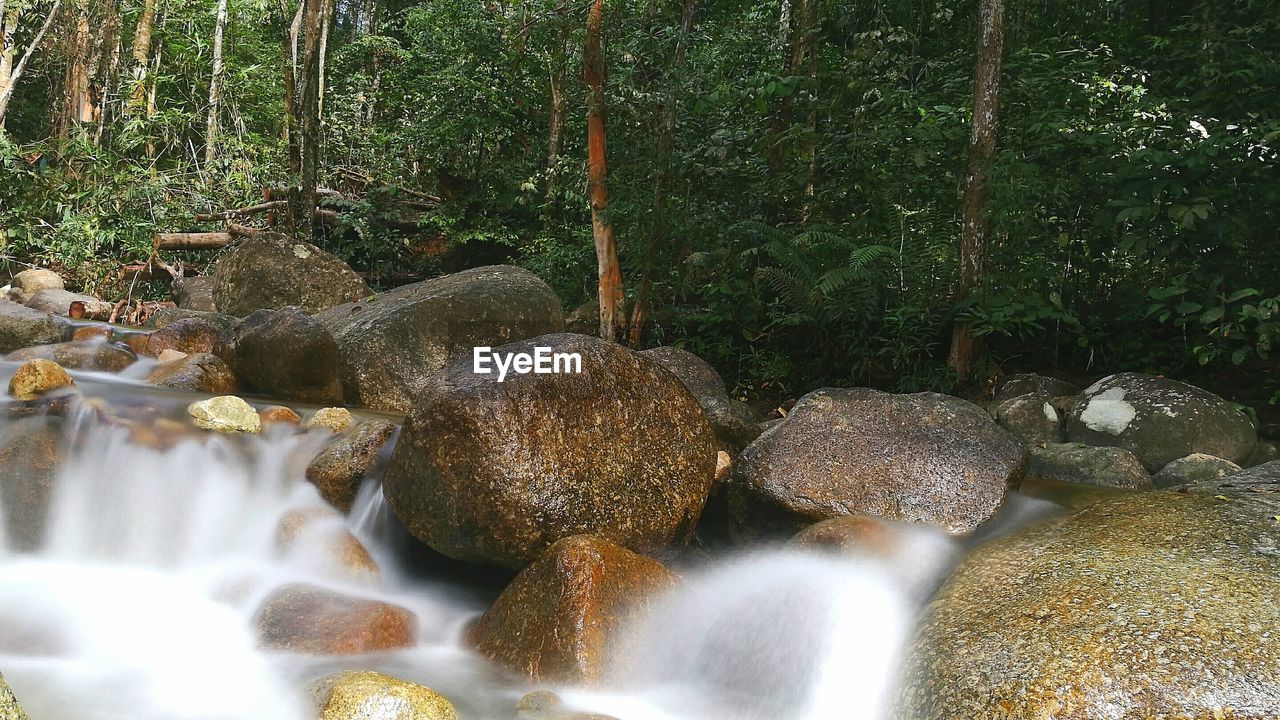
<point x="1030" y="417"/>
<point x="225" y="413"/>
<point x="38" y="377"/>
<point x="271" y="271"/>
<point x="194" y="293"/>
<point x="1159" y="420"/>
<point x="365" y="695"/>
<point x="80" y="355"/>
<point x="496" y="472"/>
<point x="187" y="335"/>
<point x="21" y="327"/>
<point x="1042" y="386"/>
<point x="286" y="353"/>
<point x="392" y="344"/>
<point x="30" y="457"/>
<point x="201" y="372"/>
<point x="340" y="468"/>
<point x="735" y="424"/>
<point x="1147" y="605"/>
<point x="1194" y="469"/>
<point x="559" y="618"/>
<point x="309" y="619"/>
<point x="1086" y="465"/>
<point x="924" y="458"/>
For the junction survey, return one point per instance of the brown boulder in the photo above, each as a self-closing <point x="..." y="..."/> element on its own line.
<point x="38" y="377"/>
<point x="285" y="353"/>
<point x="322" y="531"/>
<point x="80" y="355"/>
<point x="273" y="271"/>
<point x="200" y="372"/>
<point x="340" y="468"/>
<point x="312" y="620"/>
<point x="188" y="335"/>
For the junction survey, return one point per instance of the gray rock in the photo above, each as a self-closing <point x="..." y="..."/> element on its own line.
<point x="1044" y="387"/>
<point x="1088" y="465"/>
<point x="1194" y="469"/>
<point x="284" y="353"/>
<point x="271" y="271"/>
<point x="735" y="423"/>
<point x="923" y="458"/>
<point x="1264" y="452"/>
<point x="199" y="372"/>
<point x="1144" y="605"/>
<point x="1159" y="420"/>
<point x="497" y="472"/>
<point x="391" y="345"/>
<point x="29" y="282"/>
<point x="167" y="316"/>
<point x="21" y="327"/>
<point x="9" y="707"/>
<point x="79" y="355"/>
<point x="30" y="458"/>
<point x="57" y="301"/>
<point x="1031" y="417"/>
<point x="194" y="293"/>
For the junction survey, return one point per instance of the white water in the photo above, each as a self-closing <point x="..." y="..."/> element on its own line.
<point x="140" y="604"/>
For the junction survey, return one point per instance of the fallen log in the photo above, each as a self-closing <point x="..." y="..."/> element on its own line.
<point x="90" y="309"/>
<point x="235" y="230"/>
<point x="190" y="241"/>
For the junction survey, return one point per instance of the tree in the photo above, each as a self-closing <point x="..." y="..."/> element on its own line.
<point x="556" y="107"/>
<point x="10" y="73"/>
<point x="140" y="52"/>
<point x="215" y="83"/>
<point x="982" y="152"/>
<point x="609" y="272"/>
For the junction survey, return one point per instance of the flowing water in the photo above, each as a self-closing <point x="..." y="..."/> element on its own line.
<point x="159" y="544"/>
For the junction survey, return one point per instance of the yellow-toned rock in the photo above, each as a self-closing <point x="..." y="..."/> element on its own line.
<point x="37" y="377"/>
<point x="225" y="413"/>
<point x="335" y="419"/>
<point x="374" y="696"/>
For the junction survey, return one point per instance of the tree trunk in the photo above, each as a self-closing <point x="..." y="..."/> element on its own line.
<point x="215" y="84"/>
<point x="610" y="275"/>
<point x="555" y="117"/>
<point x="140" y="52"/>
<point x="309" y="121"/>
<point x="982" y="152"/>
<point x="663" y="160"/>
<point x="10" y="74"/>
<point x="800" y="41"/>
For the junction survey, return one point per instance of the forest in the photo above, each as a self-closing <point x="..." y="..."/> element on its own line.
<point x="903" y="194"/>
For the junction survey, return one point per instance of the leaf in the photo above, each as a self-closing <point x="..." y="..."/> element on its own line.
<point x="1212" y="315"/>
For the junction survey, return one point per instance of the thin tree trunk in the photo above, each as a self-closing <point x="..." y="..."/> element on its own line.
<point x="13" y="73"/>
<point x="982" y="152"/>
<point x="810" y="150"/>
<point x="665" y="150"/>
<point x="309" y="121"/>
<point x="555" y="118"/>
<point x="140" y="52"/>
<point x="609" y="273"/>
<point x="215" y="84"/>
<point x="326" y="22"/>
<point x="803" y="16"/>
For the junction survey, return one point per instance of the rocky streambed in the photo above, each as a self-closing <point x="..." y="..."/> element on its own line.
<point x="314" y="507"/>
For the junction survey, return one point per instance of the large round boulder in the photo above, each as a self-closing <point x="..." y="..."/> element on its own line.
<point x="924" y="458"/>
<point x="284" y="353"/>
<point x="391" y="344"/>
<point x="200" y="372"/>
<point x="735" y="424"/>
<point x="496" y="471"/>
<point x="1086" y="465"/>
<point x="1030" y="417"/>
<point x="272" y="271"/>
<point x="1041" y="386"/>
<point x="27" y="283"/>
<point x="1145" y="605"/>
<point x="561" y="617"/>
<point x="194" y="293"/>
<point x="21" y="327"/>
<point x="1159" y="420"/>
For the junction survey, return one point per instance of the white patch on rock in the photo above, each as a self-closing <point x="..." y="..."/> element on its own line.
<point x="1108" y="412"/>
<point x="1050" y="413"/>
<point x="301" y="251"/>
<point x="1097" y="386"/>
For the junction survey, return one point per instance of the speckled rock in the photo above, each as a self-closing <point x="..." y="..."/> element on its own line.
<point x="285" y="353"/>
<point x="225" y="413"/>
<point x="30" y="457"/>
<point x="279" y="414"/>
<point x="366" y="695"/>
<point x="37" y="377"/>
<point x="187" y="335"/>
<point x="1193" y="469"/>
<point x="57" y="301"/>
<point x="559" y="617"/>
<point x="312" y="620"/>
<point x="1087" y="465"/>
<point x="80" y="355"/>
<point x="1145" y="605"/>
<point x="392" y="344"/>
<point x="340" y="468"/>
<point x="21" y="327"/>
<point x="333" y="419"/>
<point x="168" y="315"/>
<point x="495" y="472"/>
<point x="319" y="534"/>
<point x="1159" y="420"/>
<point x="9" y="707"/>
<point x="1044" y="387"/>
<point x="546" y="705"/>
<point x="29" y="282"/>
<point x="201" y="372"/>
<point x="858" y="534"/>
<point x="1030" y="417"/>
<point x="272" y="271"/>
<point x="919" y="458"/>
<point x="735" y="423"/>
<point x="194" y="293"/>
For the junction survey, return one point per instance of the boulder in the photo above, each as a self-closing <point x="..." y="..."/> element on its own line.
<point x="21" y="327"/>
<point x="1264" y="452"/>
<point x="496" y="472"/>
<point x="1031" y="418"/>
<point x="309" y="619"/>
<point x="225" y="413"/>
<point x="194" y="293"/>
<point x="340" y="468"/>
<point x="271" y="271"/>
<point x="38" y="377"/>
<point x="320" y="534"/>
<point x="57" y="301"/>
<point x="195" y="373"/>
<point x="559" y="618"/>
<point x="1159" y="420"/>
<point x="9" y="707"/>
<point x="1143" y="605"/>
<point x="392" y="344"/>
<point x="367" y="695"/>
<point x="924" y="458"/>
<point x="333" y="419"/>
<point x="584" y="319"/>
<point x="285" y="353"/>
<point x="1043" y="387"/>
<point x="30" y="457"/>
<point x="1193" y="469"/>
<point x="735" y="423"/>
<point x="27" y="283"/>
<point x="79" y="355"/>
<point x="167" y="315"/>
<point x="186" y="335"/>
<point x="1086" y="465"/>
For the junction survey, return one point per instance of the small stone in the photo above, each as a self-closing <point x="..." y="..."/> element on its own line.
<point x="37" y="377"/>
<point x="724" y="464"/>
<point x="310" y="619"/>
<point x="340" y="468"/>
<point x="225" y="413"/>
<point x="279" y="414"/>
<point x="370" y="695"/>
<point x="335" y="419"/>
